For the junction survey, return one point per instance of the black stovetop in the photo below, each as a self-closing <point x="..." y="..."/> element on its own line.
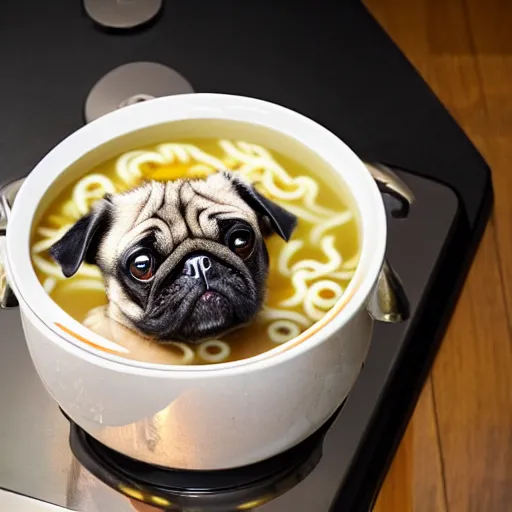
<point x="326" y="59"/>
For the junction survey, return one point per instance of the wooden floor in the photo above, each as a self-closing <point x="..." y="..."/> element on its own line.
<point x="457" y="453"/>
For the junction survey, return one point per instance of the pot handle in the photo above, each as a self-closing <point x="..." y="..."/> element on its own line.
<point x="8" y="193"/>
<point x="388" y="301"/>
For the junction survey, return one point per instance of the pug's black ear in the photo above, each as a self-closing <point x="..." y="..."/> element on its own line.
<point x="81" y="242"/>
<point x="281" y="221"/>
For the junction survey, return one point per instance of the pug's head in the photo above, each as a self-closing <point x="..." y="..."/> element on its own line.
<point x="183" y="260"/>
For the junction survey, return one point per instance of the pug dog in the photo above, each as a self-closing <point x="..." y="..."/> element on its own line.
<point x="182" y="260"/>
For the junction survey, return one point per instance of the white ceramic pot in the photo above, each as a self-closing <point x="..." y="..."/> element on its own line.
<point x="200" y="417"/>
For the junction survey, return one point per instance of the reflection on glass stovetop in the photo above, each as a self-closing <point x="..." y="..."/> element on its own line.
<point x="34" y="436"/>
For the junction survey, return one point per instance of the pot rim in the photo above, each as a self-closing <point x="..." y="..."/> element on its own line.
<point x="199" y="106"/>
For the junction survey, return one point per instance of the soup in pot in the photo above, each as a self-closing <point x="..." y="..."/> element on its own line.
<point x="307" y="274"/>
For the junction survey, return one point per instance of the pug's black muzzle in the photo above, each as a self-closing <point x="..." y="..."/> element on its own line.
<point x="202" y="298"/>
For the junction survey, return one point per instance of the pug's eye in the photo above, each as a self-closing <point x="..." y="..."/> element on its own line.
<point x="240" y="239"/>
<point x="142" y="266"/>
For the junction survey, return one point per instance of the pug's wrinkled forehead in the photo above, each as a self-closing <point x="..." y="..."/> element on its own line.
<point x="173" y="212"/>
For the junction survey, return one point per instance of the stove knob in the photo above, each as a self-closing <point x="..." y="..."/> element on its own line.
<point x="122" y="13"/>
<point x="133" y="83"/>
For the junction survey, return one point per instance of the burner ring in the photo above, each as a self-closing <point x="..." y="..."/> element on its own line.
<point x="174" y="490"/>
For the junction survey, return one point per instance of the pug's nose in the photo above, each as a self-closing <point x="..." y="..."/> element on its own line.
<point x="197" y="267"/>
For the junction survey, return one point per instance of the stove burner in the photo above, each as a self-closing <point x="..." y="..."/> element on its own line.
<point x="220" y="491"/>
<point x="122" y="13"/>
<point x="132" y="83"/>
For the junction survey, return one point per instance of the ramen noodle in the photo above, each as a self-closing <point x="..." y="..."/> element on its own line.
<point x="307" y="275"/>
